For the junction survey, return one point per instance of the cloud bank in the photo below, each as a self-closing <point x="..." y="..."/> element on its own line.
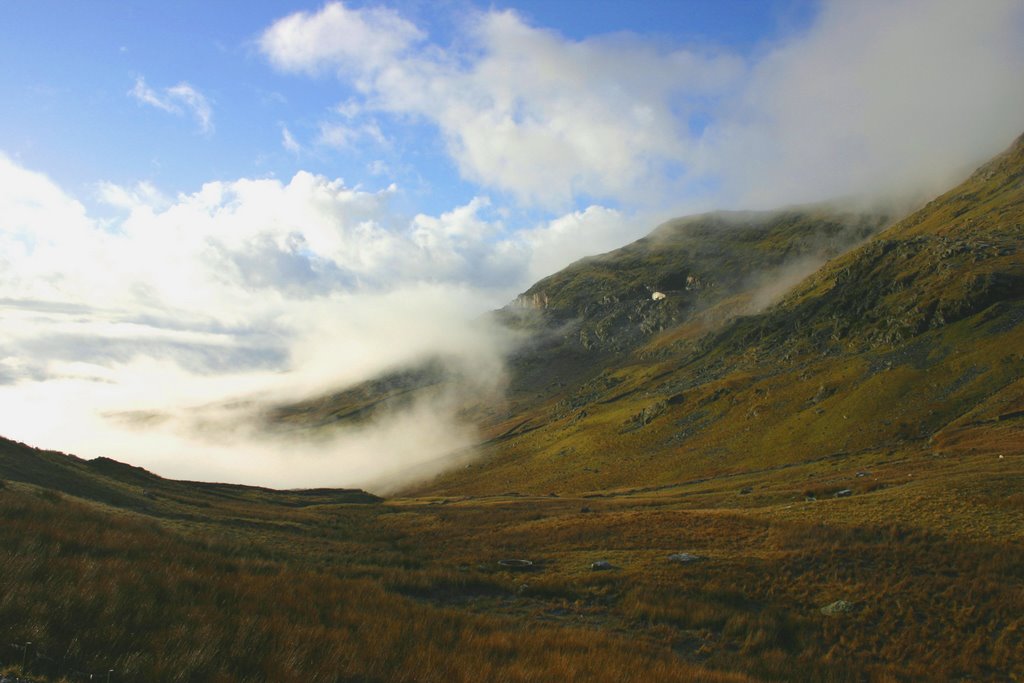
<point x="878" y="96"/>
<point x="249" y="293"/>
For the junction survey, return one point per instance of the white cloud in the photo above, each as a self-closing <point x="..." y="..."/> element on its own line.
<point x="873" y="96"/>
<point x="550" y="119"/>
<point x="527" y="112"/>
<point x="176" y="100"/>
<point x="248" y="291"/>
<point x="879" y="96"/>
<point x="350" y="109"/>
<point x="218" y="252"/>
<point x="289" y="142"/>
<point x="146" y="95"/>
<point x="594" y="230"/>
<point x="342" y="136"/>
<point x="196" y="102"/>
<point x="142" y="194"/>
<point x="336" y="37"/>
<point x="379" y="167"/>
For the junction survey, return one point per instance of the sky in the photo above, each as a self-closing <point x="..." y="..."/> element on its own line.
<point x="208" y="202"/>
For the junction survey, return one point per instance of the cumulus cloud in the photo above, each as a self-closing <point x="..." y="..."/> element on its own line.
<point x="525" y="111"/>
<point x="337" y="36"/>
<point x="247" y="293"/>
<point x="873" y="96"/>
<point x="177" y="99"/>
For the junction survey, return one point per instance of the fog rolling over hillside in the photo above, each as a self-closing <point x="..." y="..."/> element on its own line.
<point x="905" y="341"/>
<point x="598" y="312"/>
<point x="309" y="198"/>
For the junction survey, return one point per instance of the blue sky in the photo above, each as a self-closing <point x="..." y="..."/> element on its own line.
<point x="66" y="108"/>
<point x="206" y="201"/>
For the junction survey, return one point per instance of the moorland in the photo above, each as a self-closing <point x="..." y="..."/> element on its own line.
<point x="822" y="483"/>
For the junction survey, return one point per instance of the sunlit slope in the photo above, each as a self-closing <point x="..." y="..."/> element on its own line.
<point x="912" y="342"/>
<point x="617" y="300"/>
<point x="599" y="311"/>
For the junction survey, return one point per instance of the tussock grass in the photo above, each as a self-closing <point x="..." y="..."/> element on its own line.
<point x="412" y="590"/>
<point x="95" y="591"/>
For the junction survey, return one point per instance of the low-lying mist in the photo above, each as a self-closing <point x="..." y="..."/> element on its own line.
<point x="214" y="424"/>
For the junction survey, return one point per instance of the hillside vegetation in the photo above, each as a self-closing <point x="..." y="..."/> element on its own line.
<point x="911" y="342"/>
<point x="824" y="484"/>
<point x="597" y="313"/>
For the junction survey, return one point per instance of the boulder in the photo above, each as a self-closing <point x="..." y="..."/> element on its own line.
<point x="516" y="564"/>
<point x="684" y="558"/>
<point x="837" y="607"/>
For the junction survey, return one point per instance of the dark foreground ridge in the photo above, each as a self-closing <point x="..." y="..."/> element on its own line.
<point x="124" y="486"/>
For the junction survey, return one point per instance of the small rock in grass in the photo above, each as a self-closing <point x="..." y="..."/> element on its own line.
<point x="837" y="607"/>
<point x="845" y="493"/>
<point x="600" y="566"/>
<point x="516" y="564"/>
<point x="684" y="558"/>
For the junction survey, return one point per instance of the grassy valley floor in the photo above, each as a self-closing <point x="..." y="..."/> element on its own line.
<point x="185" y="584"/>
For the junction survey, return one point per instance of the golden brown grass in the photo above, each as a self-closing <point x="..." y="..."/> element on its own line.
<point x="95" y="591"/>
<point x="411" y="589"/>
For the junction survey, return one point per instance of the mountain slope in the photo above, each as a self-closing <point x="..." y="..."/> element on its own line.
<point x="815" y="495"/>
<point x="600" y="311"/>
<point x="127" y="487"/>
<point x="910" y="343"/>
<point x="606" y="302"/>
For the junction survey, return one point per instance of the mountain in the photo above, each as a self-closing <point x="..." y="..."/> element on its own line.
<point x="615" y="301"/>
<point x="910" y="341"/>
<point x="775" y="472"/>
<point x="603" y="310"/>
<point x="753" y="354"/>
<point x="132" y="488"/>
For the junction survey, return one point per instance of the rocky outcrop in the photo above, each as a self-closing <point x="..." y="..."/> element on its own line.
<point x="836" y="608"/>
<point x="535" y="301"/>
<point x="615" y="302"/>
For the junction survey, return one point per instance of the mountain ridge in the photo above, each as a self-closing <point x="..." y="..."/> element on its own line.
<point x="918" y="321"/>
